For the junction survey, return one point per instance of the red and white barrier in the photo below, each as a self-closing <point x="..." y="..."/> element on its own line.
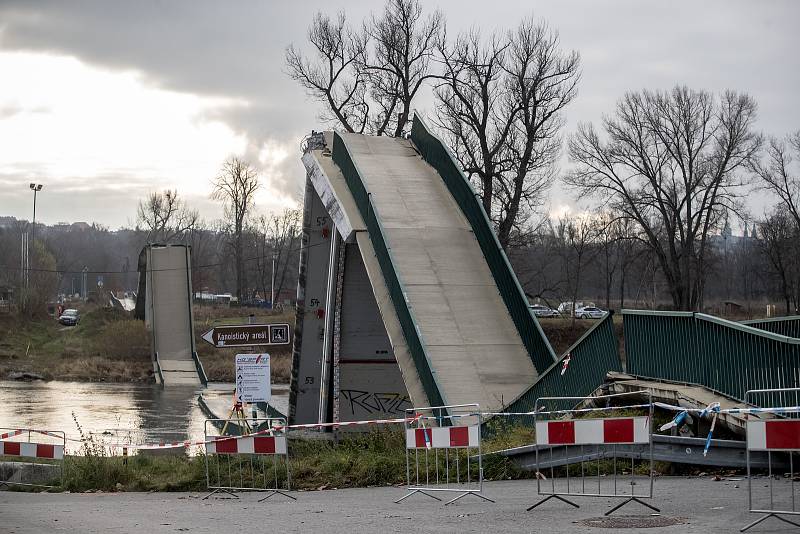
<point x="618" y="430"/>
<point x="779" y="435"/>
<point x="443" y="437"/>
<point x="31" y="450"/>
<point x="246" y="445"/>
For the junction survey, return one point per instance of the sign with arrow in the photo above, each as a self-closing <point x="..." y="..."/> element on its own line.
<point x="248" y="335"/>
<point x="253" y="378"/>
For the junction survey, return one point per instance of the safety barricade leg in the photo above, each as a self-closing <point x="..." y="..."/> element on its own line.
<point x="443" y="452"/>
<point x="778" y="434"/>
<point x="255" y="462"/>
<point x="580" y="453"/>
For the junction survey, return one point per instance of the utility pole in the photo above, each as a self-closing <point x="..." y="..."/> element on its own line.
<point x="272" y="284"/>
<point x="85" y="287"/>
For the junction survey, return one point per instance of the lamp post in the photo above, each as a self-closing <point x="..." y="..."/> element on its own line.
<point x="272" y="284"/>
<point x="35" y="188"/>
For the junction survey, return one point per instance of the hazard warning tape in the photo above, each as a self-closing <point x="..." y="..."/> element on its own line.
<point x="11" y="434"/>
<point x="277" y="428"/>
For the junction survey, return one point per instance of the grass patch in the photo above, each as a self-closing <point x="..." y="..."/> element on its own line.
<point x="107" y="345"/>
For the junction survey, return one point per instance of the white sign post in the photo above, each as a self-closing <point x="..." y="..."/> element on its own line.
<point x="253" y="378"/>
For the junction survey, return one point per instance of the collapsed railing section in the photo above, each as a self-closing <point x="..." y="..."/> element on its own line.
<point x="577" y="373"/>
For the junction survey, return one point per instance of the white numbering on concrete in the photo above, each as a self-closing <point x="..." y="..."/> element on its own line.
<point x="253" y="378"/>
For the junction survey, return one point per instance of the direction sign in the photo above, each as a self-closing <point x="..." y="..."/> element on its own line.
<point x="253" y="378"/>
<point x="248" y="335"/>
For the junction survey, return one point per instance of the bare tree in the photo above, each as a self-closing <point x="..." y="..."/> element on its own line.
<point x="165" y="217"/>
<point x="780" y="243"/>
<point x="279" y="236"/>
<point x="235" y="186"/>
<point x="776" y="172"/>
<point x="577" y="234"/>
<point x="670" y="163"/>
<point x="500" y="105"/>
<point x="367" y="80"/>
<point x="336" y="76"/>
<point x="404" y="45"/>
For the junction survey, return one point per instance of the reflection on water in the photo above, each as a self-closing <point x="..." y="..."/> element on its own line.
<point x="132" y="413"/>
<point x="117" y="413"/>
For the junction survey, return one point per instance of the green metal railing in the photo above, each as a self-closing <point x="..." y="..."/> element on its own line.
<point x="785" y="326"/>
<point x="416" y="347"/>
<point x="591" y="357"/>
<point x="198" y="365"/>
<point x="436" y="154"/>
<point x="724" y="356"/>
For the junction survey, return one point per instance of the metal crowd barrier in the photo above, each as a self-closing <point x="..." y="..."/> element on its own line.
<point x="31" y="457"/>
<point x="443" y="452"/>
<point x="597" y="444"/>
<point x="256" y="462"/>
<point x="779" y="437"/>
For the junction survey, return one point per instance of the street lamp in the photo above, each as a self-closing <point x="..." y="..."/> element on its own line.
<point x="35" y="188"/>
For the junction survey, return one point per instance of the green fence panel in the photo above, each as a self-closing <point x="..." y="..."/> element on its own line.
<point x="341" y="156"/>
<point x="651" y="340"/>
<point x="724" y="356"/>
<point x="436" y="154"/>
<point x="591" y="357"/>
<point x="785" y="326"/>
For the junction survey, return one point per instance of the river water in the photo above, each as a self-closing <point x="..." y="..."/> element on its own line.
<point x="113" y="413"/>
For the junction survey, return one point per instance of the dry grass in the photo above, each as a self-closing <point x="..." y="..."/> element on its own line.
<point x="218" y="363"/>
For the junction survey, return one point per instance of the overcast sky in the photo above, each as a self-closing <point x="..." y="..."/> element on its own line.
<point x="106" y="101"/>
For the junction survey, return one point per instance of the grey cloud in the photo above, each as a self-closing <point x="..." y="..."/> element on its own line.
<point x="235" y="50"/>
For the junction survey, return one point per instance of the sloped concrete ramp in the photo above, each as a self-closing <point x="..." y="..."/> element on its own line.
<point x="168" y="315"/>
<point x="471" y="341"/>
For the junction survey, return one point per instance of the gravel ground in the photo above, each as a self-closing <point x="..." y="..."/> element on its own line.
<point x="697" y="505"/>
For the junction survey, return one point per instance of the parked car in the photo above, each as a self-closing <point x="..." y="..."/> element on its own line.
<point x="540" y="310"/>
<point x="590" y="312"/>
<point x="69" y="317"/>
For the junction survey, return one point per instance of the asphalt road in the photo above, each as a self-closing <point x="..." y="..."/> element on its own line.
<point x="705" y="506"/>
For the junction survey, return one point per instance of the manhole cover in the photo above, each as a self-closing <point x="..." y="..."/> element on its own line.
<point x="632" y="521"/>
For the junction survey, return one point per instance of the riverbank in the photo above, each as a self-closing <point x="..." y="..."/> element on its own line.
<point x="108" y="345"/>
<point x="375" y="458"/>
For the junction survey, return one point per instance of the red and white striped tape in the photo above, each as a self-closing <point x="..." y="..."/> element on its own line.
<point x="246" y="445"/>
<point x="31" y="450"/>
<point x="622" y="430"/>
<point x="773" y="435"/>
<point x="277" y="428"/>
<point x="10" y="434"/>
<point x="443" y="437"/>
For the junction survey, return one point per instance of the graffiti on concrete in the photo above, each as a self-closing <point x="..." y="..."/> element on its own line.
<point x="373" y="403"/>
